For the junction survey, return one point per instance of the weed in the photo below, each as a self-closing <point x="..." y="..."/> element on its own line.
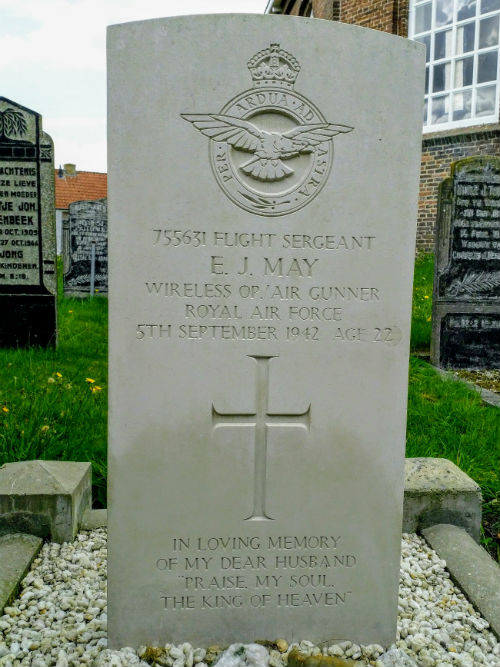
<point x="421" y="322"/>
<point x="48" y="409"/>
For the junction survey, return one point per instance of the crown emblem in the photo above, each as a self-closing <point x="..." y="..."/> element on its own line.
<point x="273" y="67"/>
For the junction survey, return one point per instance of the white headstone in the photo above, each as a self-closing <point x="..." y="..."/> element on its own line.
<point x="263" y="180"/>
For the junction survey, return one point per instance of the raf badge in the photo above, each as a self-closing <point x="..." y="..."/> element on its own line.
<point x="271" y="149"/>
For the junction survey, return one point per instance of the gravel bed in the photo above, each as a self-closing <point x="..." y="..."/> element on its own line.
<point x="487" y="379"/>
<point x="59" y="620"/>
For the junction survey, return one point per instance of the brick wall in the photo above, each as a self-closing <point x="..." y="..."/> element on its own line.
<point x="387" y="15"/>
<point x="376" y="14"/>
<point x="438" y="152"/>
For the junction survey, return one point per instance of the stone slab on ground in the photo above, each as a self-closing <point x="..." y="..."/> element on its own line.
<point x="17" y="552"/>
<point x="437" y="491"/>
<point x="44" y="498"/>
<point x="93" y="519"/>
<point x="470" y="567"/>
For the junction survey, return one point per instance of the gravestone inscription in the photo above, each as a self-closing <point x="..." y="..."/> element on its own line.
<point x="27" y="229"/>
<point x="262" y="228"/>
<point x="466" y="308"/>
<point x="85" y="248"/>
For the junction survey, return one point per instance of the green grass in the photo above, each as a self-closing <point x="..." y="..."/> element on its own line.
<point x="448" y="420"/>
<point x="49" y="409"/>
<point x="422" y="304"/>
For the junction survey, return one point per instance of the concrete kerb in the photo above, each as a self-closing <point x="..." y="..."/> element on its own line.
<point x="17" y="552"/>
<point x="437" y="491"/>
<point x="486" y="395"/>
<point x="470" y="567"/>
<point x="44" y="498"/>
<point x="93" y="519"/>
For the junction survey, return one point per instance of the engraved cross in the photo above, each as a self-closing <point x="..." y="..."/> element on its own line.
<point x="261" y="419"/>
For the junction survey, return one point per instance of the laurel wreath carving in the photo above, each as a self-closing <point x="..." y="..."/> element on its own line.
<point x="261" y="202"/>
<point x="474" y="283"/>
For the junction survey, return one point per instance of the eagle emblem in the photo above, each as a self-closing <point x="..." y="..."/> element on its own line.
<point x="289" y="141"/>
<point x="269" y="148"/>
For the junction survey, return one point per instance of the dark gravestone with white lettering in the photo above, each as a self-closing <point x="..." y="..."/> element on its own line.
<point x="466" y="308"/>
<point x="85" y="239"/>
<point x="27" y="229"/>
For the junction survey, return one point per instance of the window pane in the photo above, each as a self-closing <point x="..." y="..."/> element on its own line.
<point x="485" y="101"/>
<point x="465" y="9"/>
<point x="465" y="38"/>
<point x="423" y="18"/>
<point x="426" y="104"/>
<point x="442" y="44"/>
<point x="426" y="80"/>
<point x="462" y="103"/>
<point x="487" y="66"/>
<point x="464" y="70"/>
<point x="441" y="80"/>
<point x="440" y="109"/>
<point x="489" y="5"/>
<point x="427" y="41"/>
<point x="488" y="32"/>
<point x="444" y="12"/>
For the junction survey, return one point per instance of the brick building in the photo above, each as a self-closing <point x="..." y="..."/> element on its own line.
<point x="461" y="112"/>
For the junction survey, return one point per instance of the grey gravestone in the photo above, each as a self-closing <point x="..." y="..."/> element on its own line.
<point x="259" y="326"/>
<point x="27" y="229"/>
<point x="466" y="305"/>
<point x="85" y="242"/>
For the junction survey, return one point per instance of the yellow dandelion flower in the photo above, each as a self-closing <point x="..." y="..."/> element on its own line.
<point x="426" y="296"/>
<point x="5" y="408"/>
<point x="428" y="319"/>
<point x="70" y="311"/>
<point x="44" y="428"/>
<point x="96" y="388"/>
<point x="59" y="375"/>
<point x="90" y="380"/>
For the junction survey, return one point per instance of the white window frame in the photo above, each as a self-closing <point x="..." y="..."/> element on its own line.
<point x="452" y="59"/>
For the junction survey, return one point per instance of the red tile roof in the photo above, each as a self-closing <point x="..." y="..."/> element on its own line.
<point x="82" y="186"/>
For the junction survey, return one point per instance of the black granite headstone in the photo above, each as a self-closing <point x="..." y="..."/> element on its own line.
<point x="466" y="303"/>
<point x="85" y="248"/>
<point x="28" y="281"/>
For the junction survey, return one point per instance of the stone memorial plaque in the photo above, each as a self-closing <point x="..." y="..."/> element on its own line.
<point x="262" y="189"/>
<point x="466" y="305"/>
<point x="85" y="248"/>
<point x="27" y="229"/>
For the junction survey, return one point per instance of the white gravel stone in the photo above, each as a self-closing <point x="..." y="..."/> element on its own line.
<point x="244" y="655"/>
<point x="60" y="619"/>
